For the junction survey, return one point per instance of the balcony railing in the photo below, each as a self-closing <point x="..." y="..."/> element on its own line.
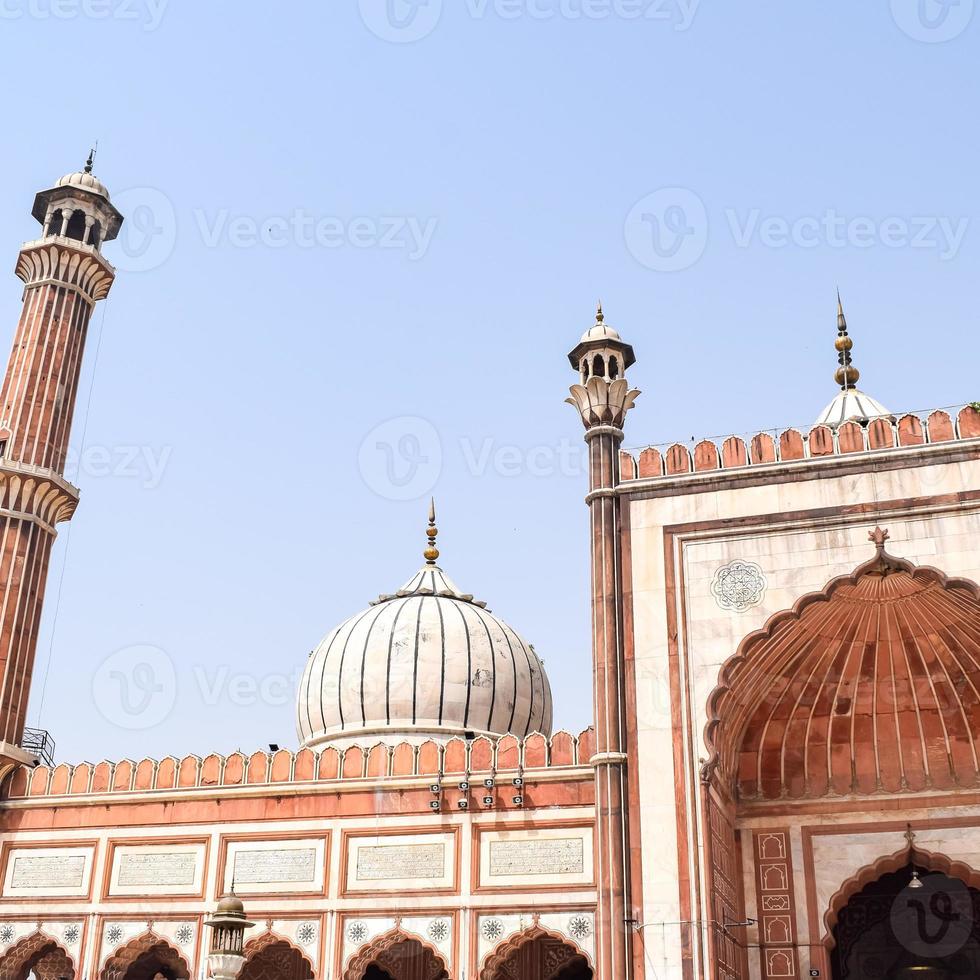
<point x="40" y="744"/>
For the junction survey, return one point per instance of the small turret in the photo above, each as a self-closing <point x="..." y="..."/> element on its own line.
<point x="78" y="208"/>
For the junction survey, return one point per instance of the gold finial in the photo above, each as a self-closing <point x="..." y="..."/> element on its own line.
<point x="90" y="162"/>
<point x="847" y="376"/>
<point x="431" y="553"/>
<point x="599" y="315"/>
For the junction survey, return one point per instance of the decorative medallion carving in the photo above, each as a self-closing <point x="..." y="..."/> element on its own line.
<point x="739" y="585"/>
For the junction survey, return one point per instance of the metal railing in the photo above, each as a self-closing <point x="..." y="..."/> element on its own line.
<point x="40" y="744"/>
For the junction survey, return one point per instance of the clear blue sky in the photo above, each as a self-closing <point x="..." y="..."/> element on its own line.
<point x="330" y="230"/>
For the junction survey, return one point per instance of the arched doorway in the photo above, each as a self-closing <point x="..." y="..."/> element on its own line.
<point x="38" y="955"/>
<point x="148" y="957"/>
<point x="537" y="955"/>
<point x="397" y="956"/>
<point x="902" y="926"/>
<point x="270" y="958"/>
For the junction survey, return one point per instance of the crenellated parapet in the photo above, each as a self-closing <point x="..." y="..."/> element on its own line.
<point x="394" y="765"/>
<point x="738" y="453"/>
<point x="65" y="262"/>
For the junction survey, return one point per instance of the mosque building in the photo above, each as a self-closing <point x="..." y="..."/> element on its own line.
<point x="782" y="778"/>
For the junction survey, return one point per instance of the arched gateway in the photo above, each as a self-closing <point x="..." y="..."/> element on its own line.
<point x="148" y="957"/>
<point x="863" y="699"/>
<point x="271" y="958"/>
<point x="397" y="956"/>
<point x="38" y="955"/>
<point x="909" y="924"/>
<point x="536" y="955"/>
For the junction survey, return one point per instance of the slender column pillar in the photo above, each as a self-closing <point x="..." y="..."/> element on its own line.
<point x="603" y="399"/>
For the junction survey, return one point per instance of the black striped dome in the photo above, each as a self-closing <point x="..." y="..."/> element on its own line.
<point x="427" y="662"/>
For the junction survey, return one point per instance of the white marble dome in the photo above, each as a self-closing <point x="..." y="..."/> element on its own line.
<point x="426" y="662"/>
<point x="86" y="182"/>
<point x="852" y="405"/>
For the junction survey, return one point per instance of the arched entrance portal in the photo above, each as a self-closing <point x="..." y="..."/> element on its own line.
<point x="39" y="956"/>
<point x="901" y="927"/>
<point x="274" y="959"/>
<point x="397" y="957"/>
<point x="147" y="957"/>
<point x="537" y="955"/>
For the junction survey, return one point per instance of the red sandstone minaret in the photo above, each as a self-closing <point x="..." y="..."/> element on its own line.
<point x="603" y="399"/>
<point x="65" y="275"/>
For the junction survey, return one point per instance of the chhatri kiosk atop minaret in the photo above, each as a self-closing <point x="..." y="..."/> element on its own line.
<point x="782" y="778"/>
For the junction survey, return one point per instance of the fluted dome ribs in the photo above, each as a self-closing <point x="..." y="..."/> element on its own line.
<point x="870" y="687"/>
<point x="426" y="661"/>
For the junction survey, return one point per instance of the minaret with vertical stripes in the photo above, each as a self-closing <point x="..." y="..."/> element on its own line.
<point x="64" y="276"/>
<point x="603" y="398"/>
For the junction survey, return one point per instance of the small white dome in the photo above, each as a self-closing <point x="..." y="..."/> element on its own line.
<point x="86" y="182"/>
<point x="426" y="662"/>
<point x="600" y="331"/>
<point x="852" y="405"/>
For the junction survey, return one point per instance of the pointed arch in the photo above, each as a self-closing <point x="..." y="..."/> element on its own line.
<point x="30" y="952"/>
<point x="870" y="685"/>
<point x="143" y="957"/>
<point x="929" y="860"/>
<point x="271" y="955"/>
<point x="496" y="959"/>
<point x="383" y="948"/>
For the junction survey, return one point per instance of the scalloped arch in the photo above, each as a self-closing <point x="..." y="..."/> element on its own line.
<point x="133" y="960"/>
<point x="810" y="706"/>
<point x="385" y="943"/>
<point x="26" y="952"/>
<point x="501" y="953"/>
<point x="266" y="944"/>
<point x="930" y="860"/>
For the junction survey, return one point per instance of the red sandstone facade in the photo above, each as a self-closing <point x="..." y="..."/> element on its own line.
<point x="782" y="779"/>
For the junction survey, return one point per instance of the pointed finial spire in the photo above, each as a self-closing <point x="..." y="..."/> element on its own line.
<point x="431" y="552"/>
<point x="599" y="315"/>
<point x="90" y="162"/>
<point x="847" y="376"/>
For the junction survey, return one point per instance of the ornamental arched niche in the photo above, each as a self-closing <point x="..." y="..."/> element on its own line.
<point x="402" y="955"/>
<point x="272" y="957"/>
<point x="555" y="956"/>
<point x="926" y="861"/>
<point x="870" y="686"/>
<point x="143" y="958"/>
<point x="38" y="954"/>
